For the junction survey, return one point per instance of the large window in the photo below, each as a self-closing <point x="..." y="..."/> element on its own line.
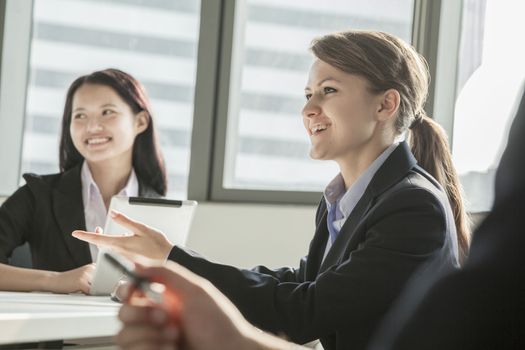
<point x="239" y="108"/>
<point x="491" y="74"/>
<point x="155" y="41"/>
<point x="266" y="145"/>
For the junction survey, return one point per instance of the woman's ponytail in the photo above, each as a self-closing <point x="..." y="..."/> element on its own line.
<point x="429" y="144"/>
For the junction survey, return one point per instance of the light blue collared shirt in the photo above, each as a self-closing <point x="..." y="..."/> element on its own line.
<point x="346" y="200"/>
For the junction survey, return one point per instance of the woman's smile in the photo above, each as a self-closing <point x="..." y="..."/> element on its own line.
<point x="94" y="143"/>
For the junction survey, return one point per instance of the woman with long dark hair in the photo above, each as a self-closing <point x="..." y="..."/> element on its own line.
<point x="108" y="146"/>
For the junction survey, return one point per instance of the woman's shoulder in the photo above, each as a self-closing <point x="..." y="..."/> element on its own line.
<point x="414" y="202"/>
<point x="41" y="179"/>
<point x="419" y="178"/>
<point x="38" y="182"/>
<point x="416" y="189"/>
<point x="416" y="192"/>
<point x="37" y="188"/>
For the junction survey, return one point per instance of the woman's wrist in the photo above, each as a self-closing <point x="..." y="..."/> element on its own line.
<point x="165" y="252"/>
<point x="47" y="280"/>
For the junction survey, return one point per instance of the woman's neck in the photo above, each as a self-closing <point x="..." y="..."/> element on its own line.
<point x="355" y="163"/>
<point x="110" y="176"/>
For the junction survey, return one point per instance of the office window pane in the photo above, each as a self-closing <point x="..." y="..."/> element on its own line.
<point x="267" y="146"/>
<point x="155" y="41"/>
<point x="491" y="75"/>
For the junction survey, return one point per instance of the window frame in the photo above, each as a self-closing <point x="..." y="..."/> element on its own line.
<point x="428" y="29"/>
<point x="14" y="62"/>
<point x="435" y="22"/>
<point x="232" y="10"/>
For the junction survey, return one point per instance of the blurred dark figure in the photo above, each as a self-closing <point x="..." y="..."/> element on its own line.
<point x="481" y="306"/>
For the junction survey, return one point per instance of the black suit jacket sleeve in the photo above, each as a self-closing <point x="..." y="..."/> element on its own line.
<point x="43" y="213"/>
<point x="16" y="220"/>
<point x="283" y="274"/>
<point x="349" y="296"/>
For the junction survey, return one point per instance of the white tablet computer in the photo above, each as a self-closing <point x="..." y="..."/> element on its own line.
<point x="172" y="217"/>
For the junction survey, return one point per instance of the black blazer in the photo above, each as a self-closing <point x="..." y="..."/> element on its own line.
<point x="402" y="220"/>
<point x="44" y="212"/>
<point x="481" y="306"/>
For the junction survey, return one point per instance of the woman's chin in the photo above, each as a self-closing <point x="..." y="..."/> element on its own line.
<point x="316" y="154"/>
<point x="98" y="157"/>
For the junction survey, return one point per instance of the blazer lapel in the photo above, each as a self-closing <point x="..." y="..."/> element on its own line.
<point x="68" y="211"/>
<point x="317" y="245"/>
<point x="341" y="243"/>
<point x="391" y="172"/>
<point x="395" y="168"/>
<point x="69" y="214"/>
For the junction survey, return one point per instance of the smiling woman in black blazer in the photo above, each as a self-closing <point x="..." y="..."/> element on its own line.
<point x="380" y="219"/>
<point x="108" y="145"/>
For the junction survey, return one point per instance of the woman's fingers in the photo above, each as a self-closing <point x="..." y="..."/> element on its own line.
<point x="175" y="276"/>
<point x="146" y="327"/>
<point x="102" y="240"/>
<point x="130" y="314"/>
<point x="146" y="336"/>
<point x="136" y="227"/>
<point x="85" y="277"/>
<point x="121" y="291"/>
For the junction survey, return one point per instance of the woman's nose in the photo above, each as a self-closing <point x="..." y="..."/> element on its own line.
<point x="311" y="109"/>
<point x="94" y="124"/>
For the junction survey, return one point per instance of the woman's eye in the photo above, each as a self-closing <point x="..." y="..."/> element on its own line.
<point x="308" y="96"/>
<point x="328" y="90"/>
<point x="107" y="112"/>
<point x="79" y="116"/>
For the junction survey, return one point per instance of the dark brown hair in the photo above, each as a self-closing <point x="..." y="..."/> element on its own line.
<point x="389" y="63"/>
<point x="147" y="158"/>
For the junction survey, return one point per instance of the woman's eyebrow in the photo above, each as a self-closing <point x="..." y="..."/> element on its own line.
<point x="323" y="81"/>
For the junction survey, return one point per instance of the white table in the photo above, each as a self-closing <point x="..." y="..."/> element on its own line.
<point x="37" y="317"/>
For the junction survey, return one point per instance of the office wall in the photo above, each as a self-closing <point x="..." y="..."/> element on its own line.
<point x="249" y="234"/>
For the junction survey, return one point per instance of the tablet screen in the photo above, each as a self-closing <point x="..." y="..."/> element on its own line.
<point x="171" y="217"/>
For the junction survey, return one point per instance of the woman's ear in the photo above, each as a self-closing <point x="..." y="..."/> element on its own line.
<point x="389" y="105"/>
<point x="141" y="121"/>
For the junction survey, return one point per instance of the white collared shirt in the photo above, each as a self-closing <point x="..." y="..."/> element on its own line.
<point x="346" y="201"/>
<point x="95" y="210"/>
